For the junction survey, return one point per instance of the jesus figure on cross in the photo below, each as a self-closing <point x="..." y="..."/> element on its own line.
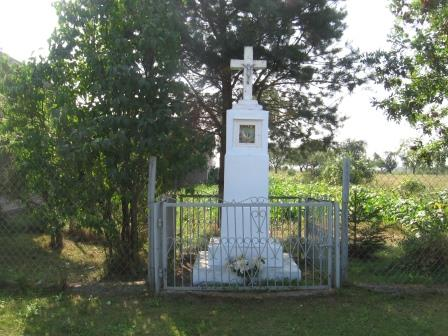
<point x="248" y="65"/>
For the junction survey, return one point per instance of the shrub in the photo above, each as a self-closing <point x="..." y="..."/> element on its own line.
<point x="410" y="187"/>
<point x="291" y="172"/>
<point x="426" y="254"/>
<point x="361" y="171"/>
<point x="427" y="215"/>
<point x="366" y="225"/>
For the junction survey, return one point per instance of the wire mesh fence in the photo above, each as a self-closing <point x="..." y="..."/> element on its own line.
<point x="398" y="229"/>
<point x="55" y="240"/>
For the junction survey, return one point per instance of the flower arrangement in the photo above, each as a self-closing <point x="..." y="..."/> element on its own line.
<point x="247" y="268"/>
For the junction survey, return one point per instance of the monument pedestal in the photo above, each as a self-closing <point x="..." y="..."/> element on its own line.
<point x="205" y="272"/>
<point x="245" y="228"/>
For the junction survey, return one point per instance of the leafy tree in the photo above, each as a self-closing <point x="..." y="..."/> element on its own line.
<point x="361" y="170"/>
<point x="355" y="149"/>
<point x="84" y="122"/>
<point x="388" y="164"/>
<point x="278" y="154"/>
<point x="7" y="65"/>
<point x="414" y="71"/>
<point x="429" y="156"/>
<point x="9" y="183"/>
<point x="408" y="153"/>
<point x="306" y="66"/>
<point x="377" y="160"/>
<point x="311" y="153"/>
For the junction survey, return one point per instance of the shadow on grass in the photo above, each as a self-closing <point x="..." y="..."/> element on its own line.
<point x="350" y="312"/>
<point x="27" y="261"/>
<point x="387" y="267"/>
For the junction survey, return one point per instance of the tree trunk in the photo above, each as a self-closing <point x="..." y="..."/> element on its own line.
<point x="57" y="239"/>
<point x="226" y="105"/>
<point x="134" y="232"/>
<point x="107" y="218"/>
<point x="124" y="249"/>
<point x="125" y="220"/>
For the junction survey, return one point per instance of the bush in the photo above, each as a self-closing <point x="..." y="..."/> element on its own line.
<point x="427" y="254"/>
<point x="410" y="187"/>
<point x="366" y="223"/>
<point x="427" y="215"/>
<point x="291" y="172"/>
<point x="361" y="171"/>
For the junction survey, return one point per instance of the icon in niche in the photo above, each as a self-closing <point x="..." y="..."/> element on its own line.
<point x="247" y="134"/>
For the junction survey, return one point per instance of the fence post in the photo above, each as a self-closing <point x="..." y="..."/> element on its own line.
<point x="337" y="238"/>
<point x="152" y="224"/>
<point x="344" y="218"/>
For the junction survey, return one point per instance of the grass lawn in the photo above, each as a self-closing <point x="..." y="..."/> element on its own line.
<point x="26" y="259"/>
<point x="349" y="312"/>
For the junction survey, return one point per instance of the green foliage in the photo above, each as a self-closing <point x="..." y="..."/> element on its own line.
<point x="299" y="41"/>
<point x="430" y="157"/>
<point x="330" y="165"/>
<point x="286" y="185"/>
<point x="367" y="229"/>
<point x="387" y="164"/>
<point x="278" y="154"/>
<point x="414" y="70"/>
<point x="360" y="171"/>
<point x="427" y="214"/>
<point x="427" y="253"/>
<point x="82" y="124"/>
<point x="411" y="187"/>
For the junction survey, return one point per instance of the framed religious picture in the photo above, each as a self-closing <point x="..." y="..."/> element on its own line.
<point x="247" y="133"/>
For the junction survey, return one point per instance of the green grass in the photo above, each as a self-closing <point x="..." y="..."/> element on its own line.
<point x="349" y="312"/>
<point x="27" y="260"/>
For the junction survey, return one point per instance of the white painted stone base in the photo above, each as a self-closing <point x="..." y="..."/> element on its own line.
<point x="220" y="250"/>
<point x="207" y="273"/>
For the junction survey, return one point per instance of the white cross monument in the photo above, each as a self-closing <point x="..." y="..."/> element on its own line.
<point x="245" y="229"/>
<point x="248" y="65"/>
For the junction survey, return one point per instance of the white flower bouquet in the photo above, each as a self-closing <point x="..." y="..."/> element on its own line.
<point x="244" y="267"/>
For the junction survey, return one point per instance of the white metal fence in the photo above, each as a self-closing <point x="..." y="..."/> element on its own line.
<point x="253" y="245"/>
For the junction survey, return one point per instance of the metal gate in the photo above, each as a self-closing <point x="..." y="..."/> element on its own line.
<point x="245" y="246"/>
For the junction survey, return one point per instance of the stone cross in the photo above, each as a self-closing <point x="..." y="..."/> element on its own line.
<point x="248" y="64"/>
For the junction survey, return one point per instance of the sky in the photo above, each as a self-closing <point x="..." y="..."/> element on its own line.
<point x="368" y="24"/>
<point x="26" y="25"/>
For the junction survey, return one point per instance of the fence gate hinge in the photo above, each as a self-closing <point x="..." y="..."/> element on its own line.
<point x="160" y="272"/>
<point x="159" y="222"/>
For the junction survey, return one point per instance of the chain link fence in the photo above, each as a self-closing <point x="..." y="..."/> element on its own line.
<point x="398" y="232"/>
<point x="58" y="243"/>
<point x="398" y="229"/>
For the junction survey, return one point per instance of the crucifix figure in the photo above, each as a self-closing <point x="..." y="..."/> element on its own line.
<point x="248" y="65"/>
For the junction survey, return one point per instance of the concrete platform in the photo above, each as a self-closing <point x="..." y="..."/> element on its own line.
<point x="221" y="249"/>
<point x="206" y="273"/>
